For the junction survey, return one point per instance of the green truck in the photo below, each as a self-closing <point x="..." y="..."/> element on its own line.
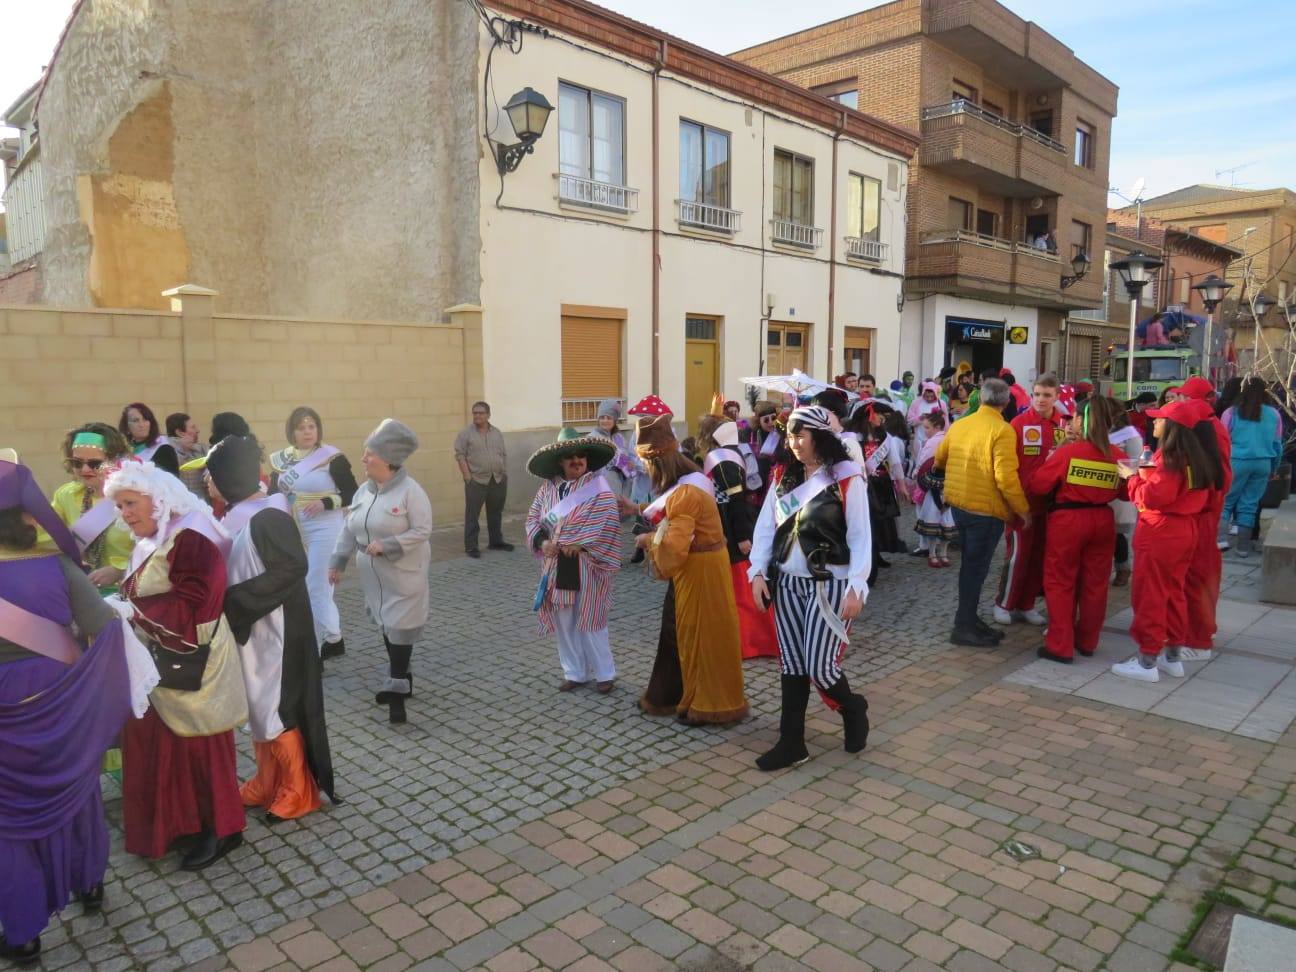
<point x="1155" y="370"/>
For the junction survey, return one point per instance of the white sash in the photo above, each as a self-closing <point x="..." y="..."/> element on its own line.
<point x="717" y="456"/>
<point x="790" y="503"/>
<point x="288" y="478"/>
<point x="238" y="515"/>
<point x="146" y="454"/>
<point x="852" y="436"/>
<point x="93" y="522"/>
<point x="200" y="521"/>
<point x="563" y="508"/>
<point x="752" y="467"/>
<point x="655" y="511"/>
<point x="770" y="444"/>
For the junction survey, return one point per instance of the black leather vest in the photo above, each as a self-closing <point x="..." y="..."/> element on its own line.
<point x="820" y="525"/>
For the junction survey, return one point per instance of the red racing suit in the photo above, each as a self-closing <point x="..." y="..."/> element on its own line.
<point x="1022" y="578"/>
<point x="1196" y="627"/>
<point x="1167" y="527"/>
<point x="1082" y="480"/>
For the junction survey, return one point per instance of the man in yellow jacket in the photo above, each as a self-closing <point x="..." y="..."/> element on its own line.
<point x="979" y="457"/>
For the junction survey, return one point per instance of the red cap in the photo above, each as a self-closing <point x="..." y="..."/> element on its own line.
<point x="1197" y="387"/>
<point x="1084" y="387"/>
<point x="1173" y="390"/>
<point x="650" y="405"/>
<point x="1187" y="413"/>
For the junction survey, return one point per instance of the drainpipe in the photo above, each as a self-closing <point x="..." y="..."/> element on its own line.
<point x="832" y="249"/>
<point x="656" y="221"/>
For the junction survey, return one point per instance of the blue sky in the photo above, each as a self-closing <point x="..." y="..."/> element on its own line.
<point x="1205" y="85"/>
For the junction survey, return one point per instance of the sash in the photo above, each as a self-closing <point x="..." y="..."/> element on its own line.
<point x="561" y="510"/>
<point x="852" y="436"/>
<point x="655" y="511"/>
<point x="288" y="478"/>
<point x="717" y="456"/>
<point x="790" y="503"/>
<point x="751" y="465"/>
<point x="146" y="454"/>
<point x="93" y="522"/>
<point x="238" y="515"/>
<point x="770" y="444"/>
<point x="200" y="521"/>
<point x="38" y="634"/>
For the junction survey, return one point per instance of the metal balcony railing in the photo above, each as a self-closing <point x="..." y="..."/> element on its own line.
<point x="960" y="107"/>
<point x="718" y="218"/>
<point x="859" y="248"/>
<point x="796" y="234"/>
<point x="578" y="191"/>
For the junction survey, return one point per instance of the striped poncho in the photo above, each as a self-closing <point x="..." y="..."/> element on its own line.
<point x="595" y="526"/>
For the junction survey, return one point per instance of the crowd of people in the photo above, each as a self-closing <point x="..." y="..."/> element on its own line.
<point x="171" y="592"/>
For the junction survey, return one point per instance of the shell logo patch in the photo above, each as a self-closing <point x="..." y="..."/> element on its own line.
<point x="1032" y="439"/>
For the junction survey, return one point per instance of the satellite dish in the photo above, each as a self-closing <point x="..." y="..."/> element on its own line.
<point x="1037" y="203"/>
<point x="1136" y="190"/>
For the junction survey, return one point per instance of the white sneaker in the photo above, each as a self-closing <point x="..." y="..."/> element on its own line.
<point x="1033" y="617"/>
<point x="1223" y="545"/>
<point x="1233" y="530"/>
<point x="1172" y="668"/>
<point x="1001" y="616"/>
<point x="1195" y="654"/>
<point x="1133" y="668"/>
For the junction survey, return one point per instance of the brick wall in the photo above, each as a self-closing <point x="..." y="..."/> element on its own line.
<point x="21" y="286"/>
<point x="60" y="368"/>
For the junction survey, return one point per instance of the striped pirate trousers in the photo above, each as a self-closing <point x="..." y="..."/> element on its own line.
<point x="807" y="646"/>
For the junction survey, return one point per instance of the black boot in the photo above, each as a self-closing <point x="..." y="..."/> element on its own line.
<point x="92" y="900"/>
<point x="790" y="750"/>
<point x="21" y="955"/>
<point x="207" y="850"/>
<point x="400" y="683"/>
<point x="854" y="712"/>
<point x="333" y="649"/>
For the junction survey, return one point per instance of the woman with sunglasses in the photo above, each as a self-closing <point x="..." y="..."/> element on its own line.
<point x="89" y="454"/>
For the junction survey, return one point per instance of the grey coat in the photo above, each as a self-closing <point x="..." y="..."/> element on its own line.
<point x="398" y="514"/>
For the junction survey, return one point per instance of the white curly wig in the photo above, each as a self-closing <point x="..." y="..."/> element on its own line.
<point x="170" y="496"/>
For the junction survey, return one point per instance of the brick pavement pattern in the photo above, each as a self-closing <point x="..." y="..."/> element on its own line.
<point x="510" y="827"/>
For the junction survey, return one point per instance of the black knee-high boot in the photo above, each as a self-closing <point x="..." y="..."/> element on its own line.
<point x="854" y="711"/>
<point x="400" y="683"/>
<point x="790" y="750"/>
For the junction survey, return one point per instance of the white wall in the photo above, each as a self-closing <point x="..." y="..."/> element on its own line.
<point x="924" y="331"/>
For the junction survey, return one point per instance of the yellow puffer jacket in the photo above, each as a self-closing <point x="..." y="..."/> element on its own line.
<point x="979" y="456"/>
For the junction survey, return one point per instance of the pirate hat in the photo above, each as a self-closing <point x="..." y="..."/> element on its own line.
<point x="544" y="461"/>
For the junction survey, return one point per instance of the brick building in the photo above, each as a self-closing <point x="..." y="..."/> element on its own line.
<point x="1015" y="145"/>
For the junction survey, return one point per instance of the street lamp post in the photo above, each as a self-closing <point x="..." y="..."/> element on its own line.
<point x="1212" y="291"/>
<point x="1260" y="305"/>
<point x="1133" y="272"/>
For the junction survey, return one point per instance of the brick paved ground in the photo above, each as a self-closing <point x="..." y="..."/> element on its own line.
<point x="508" y="827"/>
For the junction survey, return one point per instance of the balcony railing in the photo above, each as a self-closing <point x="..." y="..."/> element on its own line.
<point x="967" y="236"/>
<point x="1036" y="252"/>
<point x="582" y="410"/>
<point x="796" y="234"/>
<point x="961" y="107"/>
<point x="858" y="248"/>
<point x="578" y="191"/>
<point x="704" y="215"/>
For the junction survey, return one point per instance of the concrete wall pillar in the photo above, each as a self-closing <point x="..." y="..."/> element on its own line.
<point x="195" y="306"/>
<point x="468" y="317"/>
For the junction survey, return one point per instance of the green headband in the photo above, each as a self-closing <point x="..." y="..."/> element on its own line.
<point x="90" y="439"/>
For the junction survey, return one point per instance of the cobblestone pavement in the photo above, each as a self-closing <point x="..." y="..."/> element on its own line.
<point x="509" y="827"/>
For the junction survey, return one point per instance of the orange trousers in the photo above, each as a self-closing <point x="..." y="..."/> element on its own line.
<point x="283" y="783"/>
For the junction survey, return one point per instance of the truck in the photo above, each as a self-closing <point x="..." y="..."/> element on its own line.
<point x="1155" y="370"/>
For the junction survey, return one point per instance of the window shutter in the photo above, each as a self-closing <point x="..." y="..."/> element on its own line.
<point x="591" y="357"/>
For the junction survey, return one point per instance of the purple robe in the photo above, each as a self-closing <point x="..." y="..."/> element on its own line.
<point x="53" y="837"/>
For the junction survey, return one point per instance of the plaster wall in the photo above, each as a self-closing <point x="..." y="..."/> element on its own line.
<point x="925" y="326"/>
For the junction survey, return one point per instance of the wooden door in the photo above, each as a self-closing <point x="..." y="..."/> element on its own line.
<point x="858" y="350"/>
<point x="701" y="367"/>
<point x="787" y="347"/>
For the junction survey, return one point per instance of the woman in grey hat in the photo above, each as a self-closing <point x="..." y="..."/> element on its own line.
<point x="626" y="473"/>
<point x="387" y="528"/>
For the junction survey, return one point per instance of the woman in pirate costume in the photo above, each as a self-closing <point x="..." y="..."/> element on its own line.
<point x="318" y="481"/>
<point x="884" y="467"/>
<point x="574" y="528"/>
<point x="718" y="441"/>
<point x="89" y="453"/>
<point x="811" y="555"/>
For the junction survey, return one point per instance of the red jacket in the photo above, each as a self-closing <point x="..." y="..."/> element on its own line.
<point x="1080" y="473"/>
<point x="1036" y="437"/>
<point x="1164" y="492"/>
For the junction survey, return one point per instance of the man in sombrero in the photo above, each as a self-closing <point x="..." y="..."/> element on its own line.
<point x="574" y="529"/>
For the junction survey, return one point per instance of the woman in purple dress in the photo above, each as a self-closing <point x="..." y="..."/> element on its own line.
<point x="61" y="707"/>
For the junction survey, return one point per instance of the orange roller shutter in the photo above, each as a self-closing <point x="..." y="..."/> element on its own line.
<point x="591" y="357"/>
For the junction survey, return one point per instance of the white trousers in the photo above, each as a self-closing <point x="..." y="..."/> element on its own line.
<point x="585" y="655"/>
<point x="319" y="535"/>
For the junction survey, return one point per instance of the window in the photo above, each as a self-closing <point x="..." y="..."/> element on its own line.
<point x="848" y="98"/>
<point x="843" y="92"/>
<point x="591" y="140"/>
<point x="963" y="92"/>
<point x="1185" y="294"/>
<point x="1084" y="145"/>
<point x="864" y="203"/>
<point x="987" y="222"/>
<point x="793" y="188"/>
<point x="994" y="109"/>
<point x="704" y="165"/>
<point x="960" y="214"/>
<point x="785" y="347"/>
<point x="591" y="364"/>
<point x="1081" y="239"/>
<point x="1042" y="122"/>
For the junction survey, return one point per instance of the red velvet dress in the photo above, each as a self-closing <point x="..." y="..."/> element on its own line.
<point x="176" y="785"/>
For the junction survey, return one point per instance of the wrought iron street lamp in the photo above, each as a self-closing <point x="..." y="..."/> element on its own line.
<point x="1079" y="267"/>
<point x="528" y="112"/>
<point x="1133" y="272"/>
<point x="1212" y="291"/>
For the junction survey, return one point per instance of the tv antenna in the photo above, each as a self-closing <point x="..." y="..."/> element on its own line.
<point x="1232" y="173"/>
<point x="1135" y="198"/>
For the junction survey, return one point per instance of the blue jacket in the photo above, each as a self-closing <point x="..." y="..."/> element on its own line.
<point x="1255" y="440"/>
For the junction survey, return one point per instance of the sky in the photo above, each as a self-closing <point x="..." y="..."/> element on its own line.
<point x="1205" y="85"/>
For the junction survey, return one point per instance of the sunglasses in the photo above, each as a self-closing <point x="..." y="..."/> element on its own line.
<point x="92" y="464"/>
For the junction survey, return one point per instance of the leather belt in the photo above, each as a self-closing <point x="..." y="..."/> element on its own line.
<point x="707" y="547"/>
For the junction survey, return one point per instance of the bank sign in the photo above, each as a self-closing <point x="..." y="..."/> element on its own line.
<point x="963" y="330"/>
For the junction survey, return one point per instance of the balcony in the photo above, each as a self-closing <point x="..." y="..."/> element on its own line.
<point x="788" y="233"/>
<point x="717" y="219"/>
<point x="976" y="265"/>
<point x="591" y="194"/>
<point x="1006" y="158"/>
<point x="870" y="251"/>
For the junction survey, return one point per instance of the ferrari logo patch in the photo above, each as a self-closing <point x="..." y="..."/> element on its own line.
<point x="1087" y="472"/>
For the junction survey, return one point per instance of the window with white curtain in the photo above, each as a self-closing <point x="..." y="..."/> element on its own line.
<point x="591" y="129"/>
<point x="704" y="164"/>
<point x="863" y="203"/>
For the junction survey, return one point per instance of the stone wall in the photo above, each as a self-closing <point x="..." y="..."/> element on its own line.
<point x="61" y="367"/>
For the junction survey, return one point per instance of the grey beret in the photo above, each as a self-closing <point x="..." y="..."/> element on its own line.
<point x="610" y="406"/>
<point x="392" y="442"/>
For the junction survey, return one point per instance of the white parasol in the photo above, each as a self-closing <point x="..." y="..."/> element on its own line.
<point x="796" y="384"/>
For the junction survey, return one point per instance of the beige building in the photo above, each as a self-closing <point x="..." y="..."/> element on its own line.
<point x="1015" y="142"/>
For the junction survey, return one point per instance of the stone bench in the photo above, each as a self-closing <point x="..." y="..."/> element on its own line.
<point x="1278" y="563"/>
<point x="1259" y="946"/>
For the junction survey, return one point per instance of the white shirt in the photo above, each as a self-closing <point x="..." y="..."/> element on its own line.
<point x="858" y="537"/>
